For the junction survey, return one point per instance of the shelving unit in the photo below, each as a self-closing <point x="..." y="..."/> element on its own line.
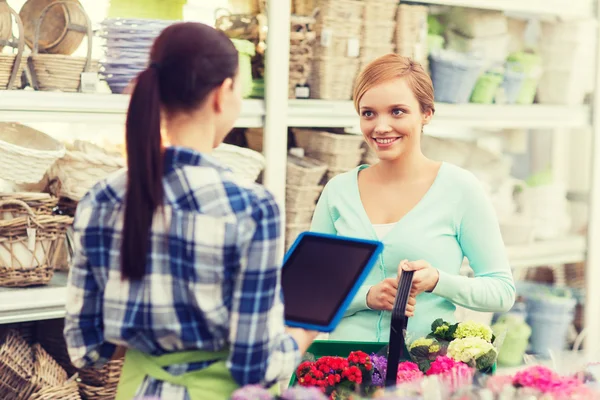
<point x="276" y="114"/>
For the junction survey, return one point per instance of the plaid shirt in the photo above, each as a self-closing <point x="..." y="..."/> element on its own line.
<point x="212" y="277"/>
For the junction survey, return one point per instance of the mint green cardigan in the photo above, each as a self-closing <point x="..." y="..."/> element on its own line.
<point x="455" y="219"/>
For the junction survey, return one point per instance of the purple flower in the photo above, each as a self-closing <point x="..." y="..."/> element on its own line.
<point x="303" y="393"/>
<point x="380" y="364"/>
<point x="252" y="392"/>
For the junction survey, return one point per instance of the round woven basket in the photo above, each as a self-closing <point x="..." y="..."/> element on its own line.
<point x="83" y="165"/>
<point x="28" y="245"/>
<point x="61" y="32"/>
<point x="101" y="384"/>
<point x="11" y="65"/>
<point x="245" y="163"/>
<point x="60" y="72"/>
<point x="16" y="367"/>
<point x="26" y="153"/>
<point x="40" y="203"/>
<point x="304" y="171"/>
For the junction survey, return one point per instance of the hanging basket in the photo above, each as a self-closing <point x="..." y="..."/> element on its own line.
<point x="83" y="165"/>
<point x="50" y="72"/>
<point x="11" y="65"/>
<point x="28" y="246"/>
<point x="61" y="32"/>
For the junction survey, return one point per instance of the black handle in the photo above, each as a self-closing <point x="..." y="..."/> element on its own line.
<point x="397" y="328"/>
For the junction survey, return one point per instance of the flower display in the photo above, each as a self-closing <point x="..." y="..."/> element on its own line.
<point x="473" y="351"/>
<point x="408" y="372"/>
<point x="473" y="329"/>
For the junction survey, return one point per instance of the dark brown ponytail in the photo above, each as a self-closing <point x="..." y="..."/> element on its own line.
<point x="144" y="163"/>
<point x="188" y="60"/>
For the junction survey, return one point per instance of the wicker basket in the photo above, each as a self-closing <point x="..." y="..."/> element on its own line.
<point x="332" y="173"/>
<point x="371" y="52"/>
<point x="341" y="10"/>
<point x="304" y="7"/>
<point x="326" y="142"/>
<point x="378" y="32"/>
<point x="28" y="245"/>
<point x="302" y="39"/>
<point x="46" y="371"/>
<point x="333" y="79"/>
<point x="69" y="390"/>
<point x="380" y="10"/>
<point x="11" y="65"/>
<point x="346" y="161"/>
<point x="299" y="197"/>
<point x="40" y="203"/>
<point x="56" y="71"/>
<point x="16" y="368"/>
<point x="100" y="384"/>
<point x="304" y="171"/>
<point x="411" y="32"/>
<point x="245" y="163"/>
<point x="299" y="215"/>
<point x="26" y="153"/>
<point x="83" y="165"/>
<point x="61" y="32"/>
<point x="254" y="139"/>
<point x="292" y="231"/>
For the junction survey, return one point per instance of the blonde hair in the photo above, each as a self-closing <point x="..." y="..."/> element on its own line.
<point x="393" y="66"/>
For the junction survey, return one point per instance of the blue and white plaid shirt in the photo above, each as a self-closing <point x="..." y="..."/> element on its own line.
<point x="212" y="277"/>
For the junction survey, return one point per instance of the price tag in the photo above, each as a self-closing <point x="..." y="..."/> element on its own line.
<point x="89" y="82"/>
<point x="302" y="92"/>
<point x="31" y="234"/>
<point x="326" y="37"/>
<point x="353" y="47"/>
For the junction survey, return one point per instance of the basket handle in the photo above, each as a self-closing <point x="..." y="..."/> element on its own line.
<point x="398" y="327"/>
<point x="20" y="48"/>
<point x="22" y="204"/>
<point x="87" y="29"/>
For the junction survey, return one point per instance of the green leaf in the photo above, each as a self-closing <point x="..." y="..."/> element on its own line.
<point x="436" y="324"/>
<point x="420" y="352"/>
<point x="451" y="331"/>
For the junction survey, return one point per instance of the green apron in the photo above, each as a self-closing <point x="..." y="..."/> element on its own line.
<point x="211" y="383"/>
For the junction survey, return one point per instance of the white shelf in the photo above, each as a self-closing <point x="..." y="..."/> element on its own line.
<point x="27" y="106"/>
<point x="558" y="8"/>
<point x="331" y="114"/>
<point x="567" y="250"/>
<point x="34" y="304"/>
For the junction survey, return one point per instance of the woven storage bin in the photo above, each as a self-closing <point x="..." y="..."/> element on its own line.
<point x="575" y="275"/>
<point x="340" y="10"/>
<point x="304" y="171"/>
<point x="254" y="139"/>
<point x="326" y="142"/>
<point x="335" y="40"/>
<point x="50" y="335"/>
<point x="16" y="368"/>
<point x="304" y="7"/>
<point x="486" y="88"/>
<point x="298" y="197"/>
<point x="11" y="65"/>
<point x="61" y="32"/>
<point x="83" y="165"/>
<point x="245" y="163"/>
<point x="332" y="173"/>
<point x="100" y="384"/>
<point x="299" y="215"/>
<point x="411" y="32"/>
<point x="46" y="371"/>
<point x="380" y="10"/>
<point x="25" y="153"/>
<point x="292" y="231"/>
<point x="40" y="203"/>
<point x="332" y="78"/>
<point x="69" y="390"/>
<point x="56" y="71"/>
<point x="370" y="53"/>
<point x="378" y="31"/>
<point x="29" y="260"/>
<point x="454" y="77"/>
<point x="302" y="40"/>
<point x="339" y="160"/>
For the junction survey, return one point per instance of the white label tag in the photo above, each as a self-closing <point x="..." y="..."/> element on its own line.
<point x="326" y="37"/>
<point x="31" y="234"/>
<point x="302" y="92"/>
<point x="89" y="82"/>
<point x="353" y="47"/>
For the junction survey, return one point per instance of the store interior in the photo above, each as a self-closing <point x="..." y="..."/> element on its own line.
<point x="516" y="104"/>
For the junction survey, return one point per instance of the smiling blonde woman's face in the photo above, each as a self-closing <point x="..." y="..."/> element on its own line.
<point x="391" y="119"/>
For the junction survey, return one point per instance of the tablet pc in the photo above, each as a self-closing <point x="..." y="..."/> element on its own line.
<point x="321" y="275"/>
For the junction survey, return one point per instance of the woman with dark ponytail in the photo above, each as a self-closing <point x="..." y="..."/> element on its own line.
<point x="176" y="261"/>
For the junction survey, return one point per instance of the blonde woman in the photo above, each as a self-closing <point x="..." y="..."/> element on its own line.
<point x="428" y="214"/>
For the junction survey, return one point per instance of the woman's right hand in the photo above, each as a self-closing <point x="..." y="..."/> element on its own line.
<point x="381" y="297"/>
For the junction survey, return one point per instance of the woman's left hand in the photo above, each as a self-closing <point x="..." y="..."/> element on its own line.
<point x="425" y="277"/>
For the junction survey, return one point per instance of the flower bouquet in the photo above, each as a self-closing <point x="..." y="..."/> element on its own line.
<point x="471" y="343"/>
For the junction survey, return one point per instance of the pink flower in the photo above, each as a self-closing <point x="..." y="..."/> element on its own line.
<point x="442" y="364"/>
<point x="453" y="374"/>
<point x="408" y="366"/>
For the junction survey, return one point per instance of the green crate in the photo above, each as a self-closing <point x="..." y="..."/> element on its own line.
<point x="321" y="348"/>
